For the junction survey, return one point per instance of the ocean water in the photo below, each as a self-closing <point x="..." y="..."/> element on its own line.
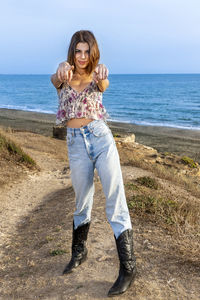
<point x="171" y="100"/>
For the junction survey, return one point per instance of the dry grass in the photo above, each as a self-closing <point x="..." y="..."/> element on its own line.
<point x="178" y="215"/>
<point x="9" y="150"/>
<point x="173" y="174"/>
<point x="169" y="198"/>
<point x="13" y="160"/>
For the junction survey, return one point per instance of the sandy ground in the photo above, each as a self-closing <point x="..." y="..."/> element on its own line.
<point x="36" y="218"/>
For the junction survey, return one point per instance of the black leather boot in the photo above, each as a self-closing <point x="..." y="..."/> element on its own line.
<point x="79" y="250"/>
<point x="127" y="260"/>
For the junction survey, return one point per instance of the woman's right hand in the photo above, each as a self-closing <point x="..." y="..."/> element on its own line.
<point x="64" y="72"/>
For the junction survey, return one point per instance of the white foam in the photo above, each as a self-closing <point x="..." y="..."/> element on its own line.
<point x="25" y="108"/>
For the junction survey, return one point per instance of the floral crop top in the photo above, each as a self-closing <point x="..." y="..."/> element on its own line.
<point x="84" y="104"/>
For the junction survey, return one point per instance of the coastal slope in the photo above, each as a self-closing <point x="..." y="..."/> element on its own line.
<point x="36" y="222"/>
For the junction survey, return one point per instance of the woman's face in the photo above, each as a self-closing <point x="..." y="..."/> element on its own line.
<point x="82" y="55"/>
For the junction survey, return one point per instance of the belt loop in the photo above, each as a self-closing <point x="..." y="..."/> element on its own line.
<point x="91" y="126"/>
<point x="81" y="131"/>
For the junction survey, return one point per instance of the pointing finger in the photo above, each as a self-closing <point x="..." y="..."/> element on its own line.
<point x="64" y="75"/>
<point x="96" y="70"/>
<point x="59" y="75"/>
<point x="67" y="75"/>
<point x="100" y="73"/>
<point x="107" y="72"/>
<point x="104" y="73"/>
<point x="70" y="75"/>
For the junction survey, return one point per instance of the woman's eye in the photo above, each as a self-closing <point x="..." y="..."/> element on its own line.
<point x="78" y="51"/>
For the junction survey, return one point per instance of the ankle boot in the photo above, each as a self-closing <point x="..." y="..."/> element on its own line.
<point x="79" y="250"/>
<point x="127" y="260"/>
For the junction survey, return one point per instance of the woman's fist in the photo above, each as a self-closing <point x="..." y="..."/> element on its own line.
<point x="65" y="72"/>
<point x="100" y="73"/>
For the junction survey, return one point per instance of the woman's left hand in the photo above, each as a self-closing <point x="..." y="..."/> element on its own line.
<point x="100" y="73"/>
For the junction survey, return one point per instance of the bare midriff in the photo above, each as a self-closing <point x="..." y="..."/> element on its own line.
<point x="77" y="123"/>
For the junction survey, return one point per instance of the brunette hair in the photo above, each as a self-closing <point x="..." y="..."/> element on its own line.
<point x="84" y="36"/>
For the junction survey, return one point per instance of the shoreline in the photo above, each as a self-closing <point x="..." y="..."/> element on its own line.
<point x="164" y="139"/>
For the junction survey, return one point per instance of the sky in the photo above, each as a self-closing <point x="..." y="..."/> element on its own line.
<point x="134" y="36"/>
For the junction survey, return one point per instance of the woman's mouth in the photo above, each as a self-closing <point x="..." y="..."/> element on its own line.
<point x="82" y="62"/>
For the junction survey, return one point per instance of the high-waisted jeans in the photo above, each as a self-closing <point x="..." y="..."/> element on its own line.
<point x="89" y="147"/>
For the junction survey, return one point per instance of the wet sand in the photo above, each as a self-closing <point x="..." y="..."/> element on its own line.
<point x="164" y="139"/>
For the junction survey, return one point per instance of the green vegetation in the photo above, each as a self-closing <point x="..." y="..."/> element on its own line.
<point x="57" y="252"/>
<point x="148" y="182"/>
<point x="10" y="149"/>
<point x="131" y="186"/>
<point x="189" y="161"/>
<point x="58" y="228"/>
<point x="158" y="208"/>
<point x="155" y="205"/>
<point x="167" y="153"/>
<point x="49" y="238"/>
<point x="116" y="135"/>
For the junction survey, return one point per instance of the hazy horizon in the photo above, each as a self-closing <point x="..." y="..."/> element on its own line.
<point x="49" y="74"/>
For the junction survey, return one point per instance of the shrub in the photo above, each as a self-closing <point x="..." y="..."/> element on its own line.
<point x="14" y="150"/>
<point x="189" y="161"/>
<point x="148" y="182"/>
<point x="57" y="252"/>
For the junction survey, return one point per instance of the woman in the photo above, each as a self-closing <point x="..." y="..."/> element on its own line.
<point x="80" y="82"/>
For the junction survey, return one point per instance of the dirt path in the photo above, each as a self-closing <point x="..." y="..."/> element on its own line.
<point x="36" y="222"/>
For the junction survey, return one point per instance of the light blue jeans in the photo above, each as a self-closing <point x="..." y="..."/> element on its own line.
<point x="90" y="147"/>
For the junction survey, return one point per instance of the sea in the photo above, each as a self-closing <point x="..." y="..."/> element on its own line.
<point x="171" y="100"/>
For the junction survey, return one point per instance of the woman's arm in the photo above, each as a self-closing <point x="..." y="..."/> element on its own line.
<point x="63" y="73"/>
<point x="56" y="82"/>
<point x="103" y="84"/>
<point x="100" y="76"/>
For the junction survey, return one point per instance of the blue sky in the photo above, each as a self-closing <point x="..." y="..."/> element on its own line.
<point x="134" y="36"/>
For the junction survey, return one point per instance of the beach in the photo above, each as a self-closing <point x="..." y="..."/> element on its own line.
<point x="164" y="139"/>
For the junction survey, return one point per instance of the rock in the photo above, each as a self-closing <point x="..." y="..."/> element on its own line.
<point x="147" y="245"/>
<point x="59" y="132"/>
<point x="65" y="170"/>
<point x="129" y="139"/>
<point x="159" y="160"/>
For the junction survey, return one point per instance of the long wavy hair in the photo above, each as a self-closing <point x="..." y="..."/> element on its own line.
<point x="84" y="36"/>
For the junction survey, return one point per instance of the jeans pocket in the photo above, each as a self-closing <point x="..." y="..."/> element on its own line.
<point x="70" y="139"/>
<point x="101" y="130"/>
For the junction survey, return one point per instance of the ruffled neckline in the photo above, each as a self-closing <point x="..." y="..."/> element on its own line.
<point x="77" y="92"/>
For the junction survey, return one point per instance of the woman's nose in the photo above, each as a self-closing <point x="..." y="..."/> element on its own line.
<point x="83" y="55"/>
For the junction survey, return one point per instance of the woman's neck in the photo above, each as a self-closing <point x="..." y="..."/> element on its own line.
<point x="81" y="74"/>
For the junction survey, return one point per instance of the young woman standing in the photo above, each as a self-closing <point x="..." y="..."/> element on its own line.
<point x="80" y="82"/>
